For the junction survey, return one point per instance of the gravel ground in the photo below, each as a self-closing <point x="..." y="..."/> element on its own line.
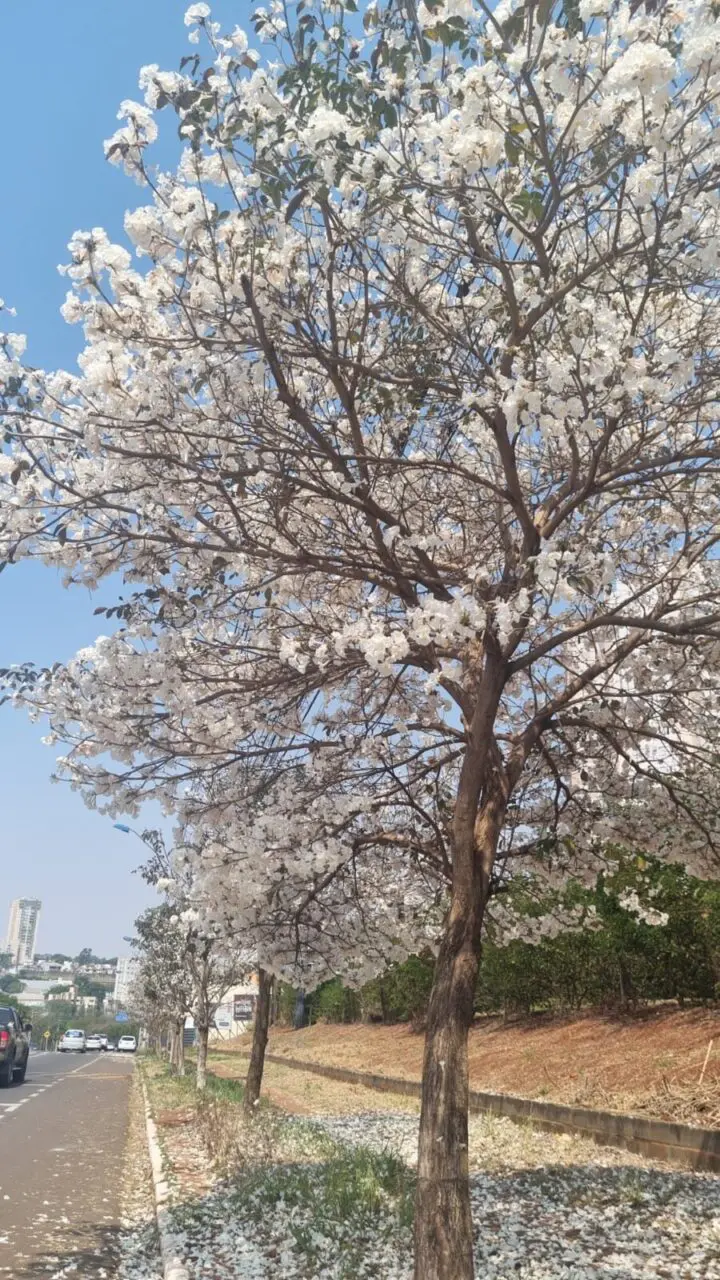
<point x="547" y="1207"/>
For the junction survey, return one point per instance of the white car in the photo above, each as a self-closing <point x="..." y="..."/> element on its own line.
<point x="127" y="1044"/>
<point x="93" y="1042"/>
<point x="73" y="1042"/>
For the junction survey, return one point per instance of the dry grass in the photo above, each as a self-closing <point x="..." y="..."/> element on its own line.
<point x="685" y="1104"/>
<point x="649" y="1063"/>
<point x="302" y="1094"/>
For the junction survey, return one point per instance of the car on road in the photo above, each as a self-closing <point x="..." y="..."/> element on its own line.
<point x="14" y="1045"/>
<point x="73" y="1042"/>
<point x="127" y="1044"/>
<point x="93" y="1042"/>
<point x="104" y="1043"/>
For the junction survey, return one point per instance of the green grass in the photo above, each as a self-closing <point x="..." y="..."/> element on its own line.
<point x="159" y="1075"/>
<point x="344" y="1207"/>
<point x="355" y="1183"/>
<point x="282" y="1173"/>
<point x="347" y="1206"/>
<point x="221" y="1087"/>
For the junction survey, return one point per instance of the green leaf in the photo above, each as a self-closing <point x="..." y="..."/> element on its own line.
<point x="295" y="203"/>
<point x="530" y="203"/>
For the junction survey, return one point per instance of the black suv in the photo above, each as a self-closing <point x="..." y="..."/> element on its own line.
<point x="14" y="1045"/>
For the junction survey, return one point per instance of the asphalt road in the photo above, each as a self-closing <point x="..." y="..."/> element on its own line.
<point x="62" y="1138"/>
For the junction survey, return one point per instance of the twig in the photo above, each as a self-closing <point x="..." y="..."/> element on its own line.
<point x="707" y="1055"/>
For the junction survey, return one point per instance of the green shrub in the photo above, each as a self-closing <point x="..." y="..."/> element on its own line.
<point x="624" y="963"/>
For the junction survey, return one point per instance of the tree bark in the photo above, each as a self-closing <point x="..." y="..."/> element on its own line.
<point x="253" y="1080"/>
<point x="177" y="1048"/>
<point x="443" y="1216"/>
<point x="275" y="1004"/>
<point x="299" y="1011"/>
<point x="180" y="1060"/>
<point x="202" y="1052"/>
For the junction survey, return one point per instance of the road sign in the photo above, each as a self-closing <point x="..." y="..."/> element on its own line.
<point x="122" y="1017"/>
<point x="46" y="1035"/>
<point x="244" y="1008"/>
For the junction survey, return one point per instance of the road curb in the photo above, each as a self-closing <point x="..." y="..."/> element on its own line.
<point x="172" y="1265"/>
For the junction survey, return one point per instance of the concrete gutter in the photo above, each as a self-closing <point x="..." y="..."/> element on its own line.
<point x="172" y="1264"/>
<point x="683" y="1144"/>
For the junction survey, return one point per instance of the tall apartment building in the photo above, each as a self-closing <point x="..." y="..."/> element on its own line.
<point x="22" y="929"/>
<point x="124" y="975"/>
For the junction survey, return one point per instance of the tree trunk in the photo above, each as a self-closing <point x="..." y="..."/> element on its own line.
<point x="254" y="1076"/>
<point x="177" y="1048"/>
<point x="443" y="1216"/>
<point x="202" y="1052"/>
<point x="275" y="1004"/>
<point x="180" y="1049"/>
<point x="299" y="1011"/>
<point x="627" y="990"/>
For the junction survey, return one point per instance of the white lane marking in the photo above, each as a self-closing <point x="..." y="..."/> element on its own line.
<point x="9" y="1107"/>
<point x="46" y="1075"/>
<point x="85" y="1065"/>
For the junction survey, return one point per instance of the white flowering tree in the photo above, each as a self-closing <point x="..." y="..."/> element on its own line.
<point x="337" y="894"/>
<point x="205" y="960"/>
<point x="161" y="991"/>
<point x="406" y="415"/>
<point x="334" y="865"/>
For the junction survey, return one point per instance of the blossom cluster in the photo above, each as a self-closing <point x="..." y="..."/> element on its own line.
<point x="397" y="412"/>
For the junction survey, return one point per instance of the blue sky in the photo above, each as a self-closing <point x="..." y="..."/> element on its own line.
<point x="66" y="68"/>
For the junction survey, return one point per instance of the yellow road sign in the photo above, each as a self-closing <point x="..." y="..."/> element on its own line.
<point x="46" y="1035"/>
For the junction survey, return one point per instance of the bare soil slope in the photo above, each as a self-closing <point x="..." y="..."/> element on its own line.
<point x="650" y="1062"/>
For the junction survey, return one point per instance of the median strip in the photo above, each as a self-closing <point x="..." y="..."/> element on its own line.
<point x="688" y="1146"/>
<point x="331" y="1192"/>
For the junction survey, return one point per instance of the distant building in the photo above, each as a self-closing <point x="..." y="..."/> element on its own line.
<point x="22" y="930"/>
<point x="236" y="1011"/>
<point x="34" y="992"/>
<point x="65" y="997"/>
<point x="91" y="1004"/>
<point x="127" y="967"/>
<point x="71" y="995"/>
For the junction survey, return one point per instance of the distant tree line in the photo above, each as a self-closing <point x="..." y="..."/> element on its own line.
<point x="10" y="984"/>
<point x="84" y="957"/>
<point x="621" y="965"/>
